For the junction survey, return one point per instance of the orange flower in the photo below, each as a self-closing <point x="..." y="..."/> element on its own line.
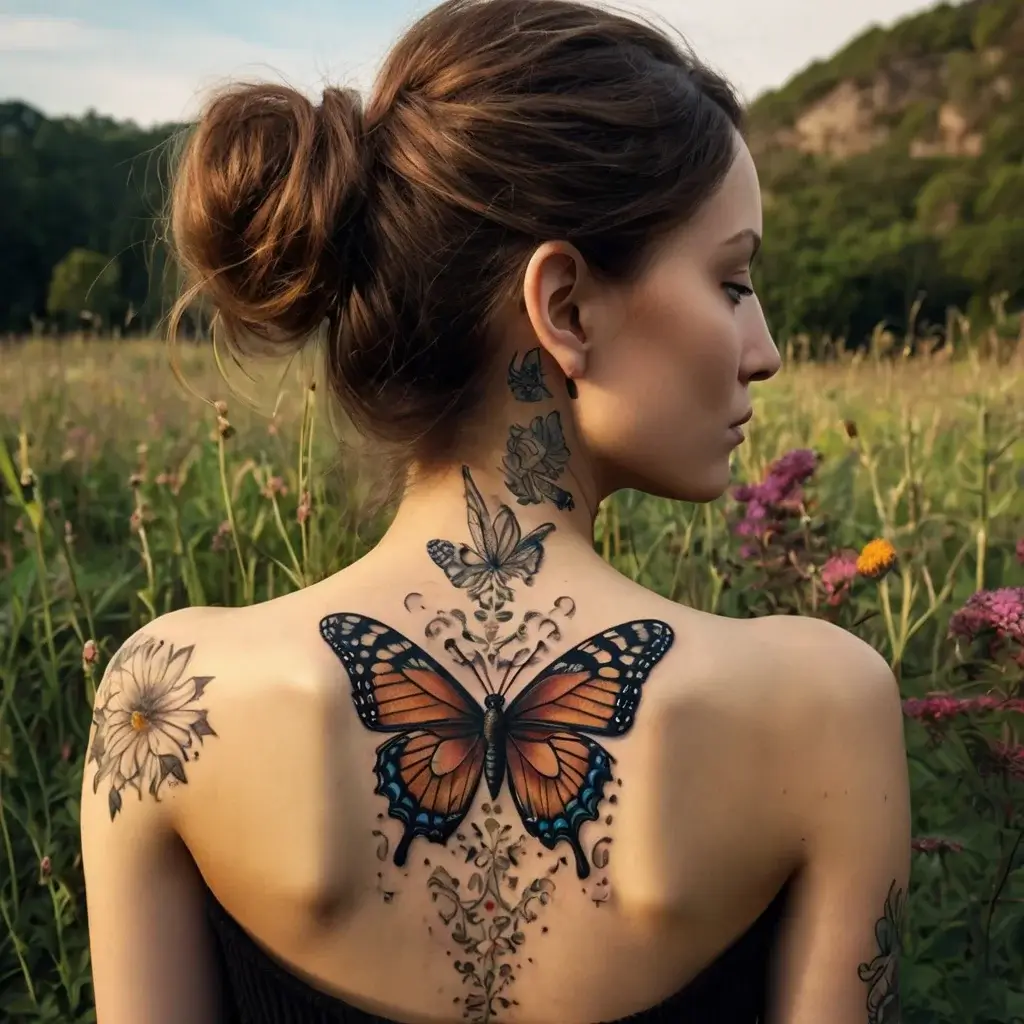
<point x="876" y="558"/>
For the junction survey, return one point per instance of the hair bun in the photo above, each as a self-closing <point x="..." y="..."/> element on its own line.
<point x="265" y="205"/>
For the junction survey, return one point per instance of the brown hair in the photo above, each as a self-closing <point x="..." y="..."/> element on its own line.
<point x="494" y="125"/>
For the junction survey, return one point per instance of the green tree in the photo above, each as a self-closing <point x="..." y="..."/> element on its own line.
<point x="84" y="282"/>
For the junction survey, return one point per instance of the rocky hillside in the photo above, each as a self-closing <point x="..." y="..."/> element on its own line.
<point x="947" y="82"/>
<point x="893" y="176"/>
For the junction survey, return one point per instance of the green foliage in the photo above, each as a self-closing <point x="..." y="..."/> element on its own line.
<point x="84" y="282"/>
<point x="853" y="242"/>
<point x="88" y="183"/>
<point x="121" y="499"/>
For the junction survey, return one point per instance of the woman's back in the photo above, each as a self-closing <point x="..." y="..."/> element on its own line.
<point x="479" y="775"/>
<point x="685" y="839"/>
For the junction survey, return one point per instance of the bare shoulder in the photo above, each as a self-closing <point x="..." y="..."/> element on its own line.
<point x="818" y="668"/>
<point x="192" y="691"/>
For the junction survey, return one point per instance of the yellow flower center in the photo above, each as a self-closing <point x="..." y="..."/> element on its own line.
<point x="876" y="558"/>
<point x="139" y="721"/>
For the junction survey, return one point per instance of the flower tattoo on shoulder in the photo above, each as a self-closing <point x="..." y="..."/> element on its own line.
<point x="535" y="457"/>
<point x="147" y="719"/>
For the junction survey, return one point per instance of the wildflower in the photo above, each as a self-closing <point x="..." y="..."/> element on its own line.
<point x="931" y="844"/>
<point x="1020" y="551"/>
<point x="837" y="574"/>
<point x="1000" y="611"/>
<point x="135" y="522"/>
<point x="220" y="538"/>
<point x="940" y="707"/>
<point x="795" y="466"/>
<point x="274" y="486"/>
<point x="135" y="480"/>
<point x="221" y="407"/>
<point x="69" y="532"/>
<point x="65" y="751"/>
<point x="90" y="654"/>
<point x="876" y="558"/>
<point x="45" y="869"/>
<point x="1005" y="759"/>
<point x="305" y="508"/>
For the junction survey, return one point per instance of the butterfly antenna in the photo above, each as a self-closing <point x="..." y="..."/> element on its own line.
<point x="510" y="679"/>
<point x="474" y="664"/>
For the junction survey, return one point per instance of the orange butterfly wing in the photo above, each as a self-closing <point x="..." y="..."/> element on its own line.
<point x="556" y="772"/>
<point x="430" y="771"/>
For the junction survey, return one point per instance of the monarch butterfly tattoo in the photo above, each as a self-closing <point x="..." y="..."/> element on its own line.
<point x="541" y="743"/>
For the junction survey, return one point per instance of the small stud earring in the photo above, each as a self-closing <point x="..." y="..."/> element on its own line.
<point x="570" y="386"/>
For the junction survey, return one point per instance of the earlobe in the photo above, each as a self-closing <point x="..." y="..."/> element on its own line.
<point x="552" y="287"/>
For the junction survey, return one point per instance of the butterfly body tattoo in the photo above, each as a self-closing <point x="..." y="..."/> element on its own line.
<point x="540" y="744"/>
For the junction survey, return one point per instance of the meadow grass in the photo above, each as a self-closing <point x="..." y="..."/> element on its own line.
<point x="125" y="496"/>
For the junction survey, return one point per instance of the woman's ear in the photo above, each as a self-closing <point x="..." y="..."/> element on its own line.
<point x="553" y="288"/>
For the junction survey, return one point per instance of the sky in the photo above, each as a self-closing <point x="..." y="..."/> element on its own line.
<point x="153" y="61"/>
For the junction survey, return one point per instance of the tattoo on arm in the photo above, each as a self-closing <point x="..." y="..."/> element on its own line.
<point x="535" y="457"/>
<point x="882" y="973"/>
<point x="147" y="719"/>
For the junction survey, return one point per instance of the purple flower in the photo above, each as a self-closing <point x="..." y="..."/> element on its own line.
<point x="1000" y="611"/>
<point x="780" y="483"/>
<point x="794" y="467"/>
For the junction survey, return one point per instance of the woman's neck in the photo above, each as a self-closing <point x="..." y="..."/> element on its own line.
<point x="526" y="471"/>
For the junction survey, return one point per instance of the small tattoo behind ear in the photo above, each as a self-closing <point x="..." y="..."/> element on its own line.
<point x="570" y="386"/>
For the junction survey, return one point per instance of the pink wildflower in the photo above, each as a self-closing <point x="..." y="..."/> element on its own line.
<point x="1000" y="611"/>
<point x="837" y="574"/>
<point x="940" y="707"/>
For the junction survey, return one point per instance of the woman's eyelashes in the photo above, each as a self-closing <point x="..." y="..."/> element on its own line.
<point x="737" y="292"/>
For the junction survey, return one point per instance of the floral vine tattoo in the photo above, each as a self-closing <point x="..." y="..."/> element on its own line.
<point x="147" y="719"/>
<point x="882" y="973"/>
<point x="488" y="916"/>
<point x="535" y="457"/>
<point x="526" y="381"/>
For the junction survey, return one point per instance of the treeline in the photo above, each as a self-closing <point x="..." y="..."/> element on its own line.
<point x="80" y="220"/>
<point x="849" y="243"/>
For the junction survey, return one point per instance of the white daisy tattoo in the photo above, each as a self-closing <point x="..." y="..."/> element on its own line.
<point x="146" y="719"/>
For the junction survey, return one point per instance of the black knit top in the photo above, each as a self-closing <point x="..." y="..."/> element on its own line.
<point x="261" y="990"/>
